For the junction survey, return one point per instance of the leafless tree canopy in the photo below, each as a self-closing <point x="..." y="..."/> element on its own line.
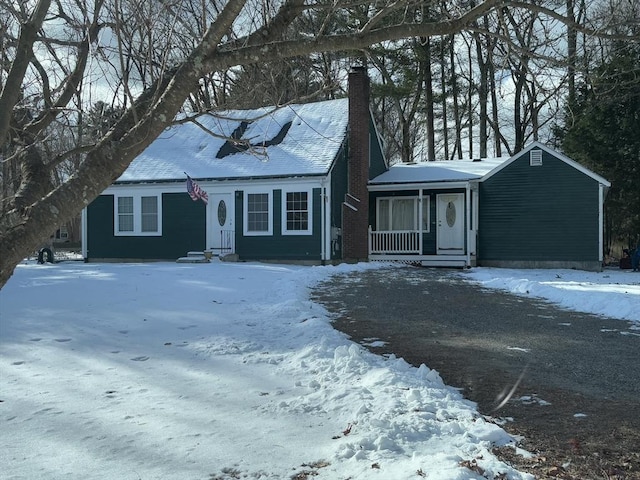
<point x="87" y="85"/>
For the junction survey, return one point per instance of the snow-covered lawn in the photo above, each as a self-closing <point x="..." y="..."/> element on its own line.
<point x="223" y="371"/>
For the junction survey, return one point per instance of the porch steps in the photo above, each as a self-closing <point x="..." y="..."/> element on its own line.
<point x="193" y="257"/>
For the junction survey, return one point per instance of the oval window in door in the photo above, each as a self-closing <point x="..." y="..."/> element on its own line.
<point x="222" y="213"/>
<point x="451" y="214"/>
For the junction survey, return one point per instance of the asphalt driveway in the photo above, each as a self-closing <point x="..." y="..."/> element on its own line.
<point x="574" y="378"/>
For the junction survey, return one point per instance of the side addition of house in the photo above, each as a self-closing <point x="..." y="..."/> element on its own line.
<point x="536" y="209"/>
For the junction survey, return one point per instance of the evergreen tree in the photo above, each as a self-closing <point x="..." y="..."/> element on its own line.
<point x="602" y="132"/>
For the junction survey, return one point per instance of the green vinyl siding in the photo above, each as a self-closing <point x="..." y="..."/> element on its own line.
<point x="539" y="213"/>
<point x="429" y="238"/>
<point x="278" y="246"/>
<point x="183" y="230"/>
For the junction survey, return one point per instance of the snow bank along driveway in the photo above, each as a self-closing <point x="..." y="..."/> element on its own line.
<point x="217" y="371"/>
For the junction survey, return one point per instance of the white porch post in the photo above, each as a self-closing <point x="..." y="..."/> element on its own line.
<point x="467" y="200"/>
<point x="475" y="218"/>
<point x="420" y="207"/>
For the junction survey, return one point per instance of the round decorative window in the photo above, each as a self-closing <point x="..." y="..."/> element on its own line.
<point x="451" y="214"/>
<point x="222" y="213"/>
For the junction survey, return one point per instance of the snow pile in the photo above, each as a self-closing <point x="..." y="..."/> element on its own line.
<point x="218" y="371"/>
<point x="612" y="293"/>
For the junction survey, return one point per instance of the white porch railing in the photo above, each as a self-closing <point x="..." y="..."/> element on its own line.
<point x="406" y="242"/>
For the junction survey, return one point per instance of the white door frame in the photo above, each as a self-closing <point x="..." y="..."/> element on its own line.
<point x="450" y="221"/>
<point x="219" y="236"/>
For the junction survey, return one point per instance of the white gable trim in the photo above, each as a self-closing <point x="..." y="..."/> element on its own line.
<point x="556" y="154"/>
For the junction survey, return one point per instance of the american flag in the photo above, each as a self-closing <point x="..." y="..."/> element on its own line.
<point x="195" y="192"/>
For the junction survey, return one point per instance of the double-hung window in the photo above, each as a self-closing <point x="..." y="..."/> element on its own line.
<point x="296" y="213"/>
<point x="137" y="215"/>
<point x="149" y="214"/>
<point x="125" y="215"/>
<point x="258" y="214"/>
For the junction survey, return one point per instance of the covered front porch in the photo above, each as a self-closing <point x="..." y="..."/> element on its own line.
<point x="427" y="224"/>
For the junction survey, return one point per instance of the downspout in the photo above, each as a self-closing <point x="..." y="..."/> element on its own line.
<point x="83" y="233"/>
<point x="600" y="223"/>
<point x="323" y="222"/>
<point x="467" y="200"/>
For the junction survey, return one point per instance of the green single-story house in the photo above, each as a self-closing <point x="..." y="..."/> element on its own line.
<point x="281" y="184"/>
<point x="536" y="209"/>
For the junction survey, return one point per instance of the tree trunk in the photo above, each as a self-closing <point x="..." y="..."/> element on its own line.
<point x="470" y="101"/>
<point x="445" y="97"/>
<point x="454" y="93"/>
<point x="572" y="39"/>
<point x="483" y="89"/>
<point x="428" y="87"/>
<point x="518" y="125"/>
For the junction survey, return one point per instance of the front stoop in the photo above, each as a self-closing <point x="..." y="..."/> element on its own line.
<point x="193" y="257"/>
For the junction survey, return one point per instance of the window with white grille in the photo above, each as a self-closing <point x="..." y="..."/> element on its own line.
<point x="137" y="214"/>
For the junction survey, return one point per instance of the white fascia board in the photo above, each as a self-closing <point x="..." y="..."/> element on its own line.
<point x="218" y="186"/>
<point x="124" y="188"/>
<point x="416" y="186"/>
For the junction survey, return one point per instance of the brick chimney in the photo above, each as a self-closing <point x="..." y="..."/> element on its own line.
<point x="355" y="209"/>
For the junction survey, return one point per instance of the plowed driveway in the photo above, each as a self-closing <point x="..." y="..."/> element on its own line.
<point x="577" y="403"/>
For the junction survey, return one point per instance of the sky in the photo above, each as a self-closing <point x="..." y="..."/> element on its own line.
<point x="228" y="370"/>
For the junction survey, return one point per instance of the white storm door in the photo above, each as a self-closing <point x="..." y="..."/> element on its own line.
<point x="222" y="230"/>
<point x="450" y="230"/>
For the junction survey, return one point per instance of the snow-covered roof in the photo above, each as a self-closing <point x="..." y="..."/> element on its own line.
<point x="301" y="139"/>
<point x="441" y="171"/>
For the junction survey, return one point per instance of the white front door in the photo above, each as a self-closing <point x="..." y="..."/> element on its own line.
<point x="450" y="232"/>
<point x="222" y="231"/>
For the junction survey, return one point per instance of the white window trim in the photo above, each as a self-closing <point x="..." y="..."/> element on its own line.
<point x="425" y="207"/>
<point x="137" y="214"/>
<point x="535" y="158"/>
<point x="245" y="214"/>
<point x="309" y="230"/>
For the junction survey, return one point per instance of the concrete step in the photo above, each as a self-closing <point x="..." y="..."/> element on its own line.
<point x="194" y="257"/>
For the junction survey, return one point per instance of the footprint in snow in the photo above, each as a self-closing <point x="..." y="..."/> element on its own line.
<point x="140" y="359"/>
